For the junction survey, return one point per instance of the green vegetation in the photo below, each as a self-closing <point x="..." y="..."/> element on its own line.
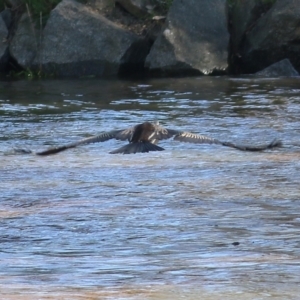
<point x="42" y="7"/>
<point x="36" y="7"/>
<point x="29" y="74"/>
<point x="38" y="10"/>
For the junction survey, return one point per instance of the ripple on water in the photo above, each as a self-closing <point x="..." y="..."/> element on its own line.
<point x="194" y="221"/>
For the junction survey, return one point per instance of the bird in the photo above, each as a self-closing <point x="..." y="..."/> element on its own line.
<point x="144" y="137"/>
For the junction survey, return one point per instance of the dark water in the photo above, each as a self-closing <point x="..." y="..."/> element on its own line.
<point x="191" y="222"/>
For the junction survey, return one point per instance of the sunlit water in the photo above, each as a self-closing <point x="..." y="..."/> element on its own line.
<point x="190" y="222"/>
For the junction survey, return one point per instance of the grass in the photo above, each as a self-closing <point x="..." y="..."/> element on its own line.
<point x="36" y="7"/>
<point x="43" y="7"/>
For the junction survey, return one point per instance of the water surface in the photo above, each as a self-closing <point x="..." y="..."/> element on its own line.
<point x="190" y="222"/>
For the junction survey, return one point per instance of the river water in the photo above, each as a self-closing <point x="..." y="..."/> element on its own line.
<point x="190" y="222"/>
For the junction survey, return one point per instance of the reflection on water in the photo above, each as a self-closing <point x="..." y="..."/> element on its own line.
<point x="191" y="222"/>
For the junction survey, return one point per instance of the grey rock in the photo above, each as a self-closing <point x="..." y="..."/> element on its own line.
<point x="195" y="39"/>
<point x="7" y="18"/>
<point x="283" y="68"/>
<point x="242" y="17"/>
<point x="101" y="4"/>
<point x="77" y="41"/>
<point x="24" y="45"/>
<point x="14" y="3"/>
<point x="275" y="36"/>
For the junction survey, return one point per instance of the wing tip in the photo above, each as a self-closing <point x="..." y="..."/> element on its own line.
<point x="22" y="151"/>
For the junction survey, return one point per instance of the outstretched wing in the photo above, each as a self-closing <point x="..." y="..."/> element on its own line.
<point x="201" y="139"/>
<point x="189" y="137"/>
<point x="275" y="143"/>
<point x="123" y="134"/>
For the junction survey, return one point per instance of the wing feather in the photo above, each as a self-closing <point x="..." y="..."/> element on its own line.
<point x="189" y="137"/>
<point x="275" y="143"/>
<point x="122" y="134"/>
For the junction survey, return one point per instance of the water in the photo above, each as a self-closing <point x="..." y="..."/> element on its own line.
<point x="190" y="222"/>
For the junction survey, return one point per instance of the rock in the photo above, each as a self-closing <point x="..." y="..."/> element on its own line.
<point x="24" y="45"/>
<point x="138" y="8"/>
<point x="275" y="36"/>
<point x="283" y="68"/>
<point x="101" y="4"/>
<point x="242" y="17"/>
<point x="3" y="45"/>
<point x="7" y="18"/>
<point x="77" y="42"/>
<point x="13" y="3"/>
<point x="194" y="41"/>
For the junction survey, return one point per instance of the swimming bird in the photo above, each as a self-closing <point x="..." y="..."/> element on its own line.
<point x="143" y="138"/>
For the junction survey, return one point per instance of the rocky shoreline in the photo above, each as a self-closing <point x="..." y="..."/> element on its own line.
<point x="108" y="38"/>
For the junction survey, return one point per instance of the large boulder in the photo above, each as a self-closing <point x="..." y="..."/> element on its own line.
<point x="242" y="17"/>
<point x="273" y="37"/>
<point x="194" y="41"/>
<point x="77" y="41"/>
<point x="25" y="44"/>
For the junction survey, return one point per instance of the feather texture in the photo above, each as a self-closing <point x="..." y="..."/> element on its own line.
<point x="143" y="137"/>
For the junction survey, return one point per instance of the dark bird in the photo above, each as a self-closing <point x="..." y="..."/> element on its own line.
<point x="143" y="138"/>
